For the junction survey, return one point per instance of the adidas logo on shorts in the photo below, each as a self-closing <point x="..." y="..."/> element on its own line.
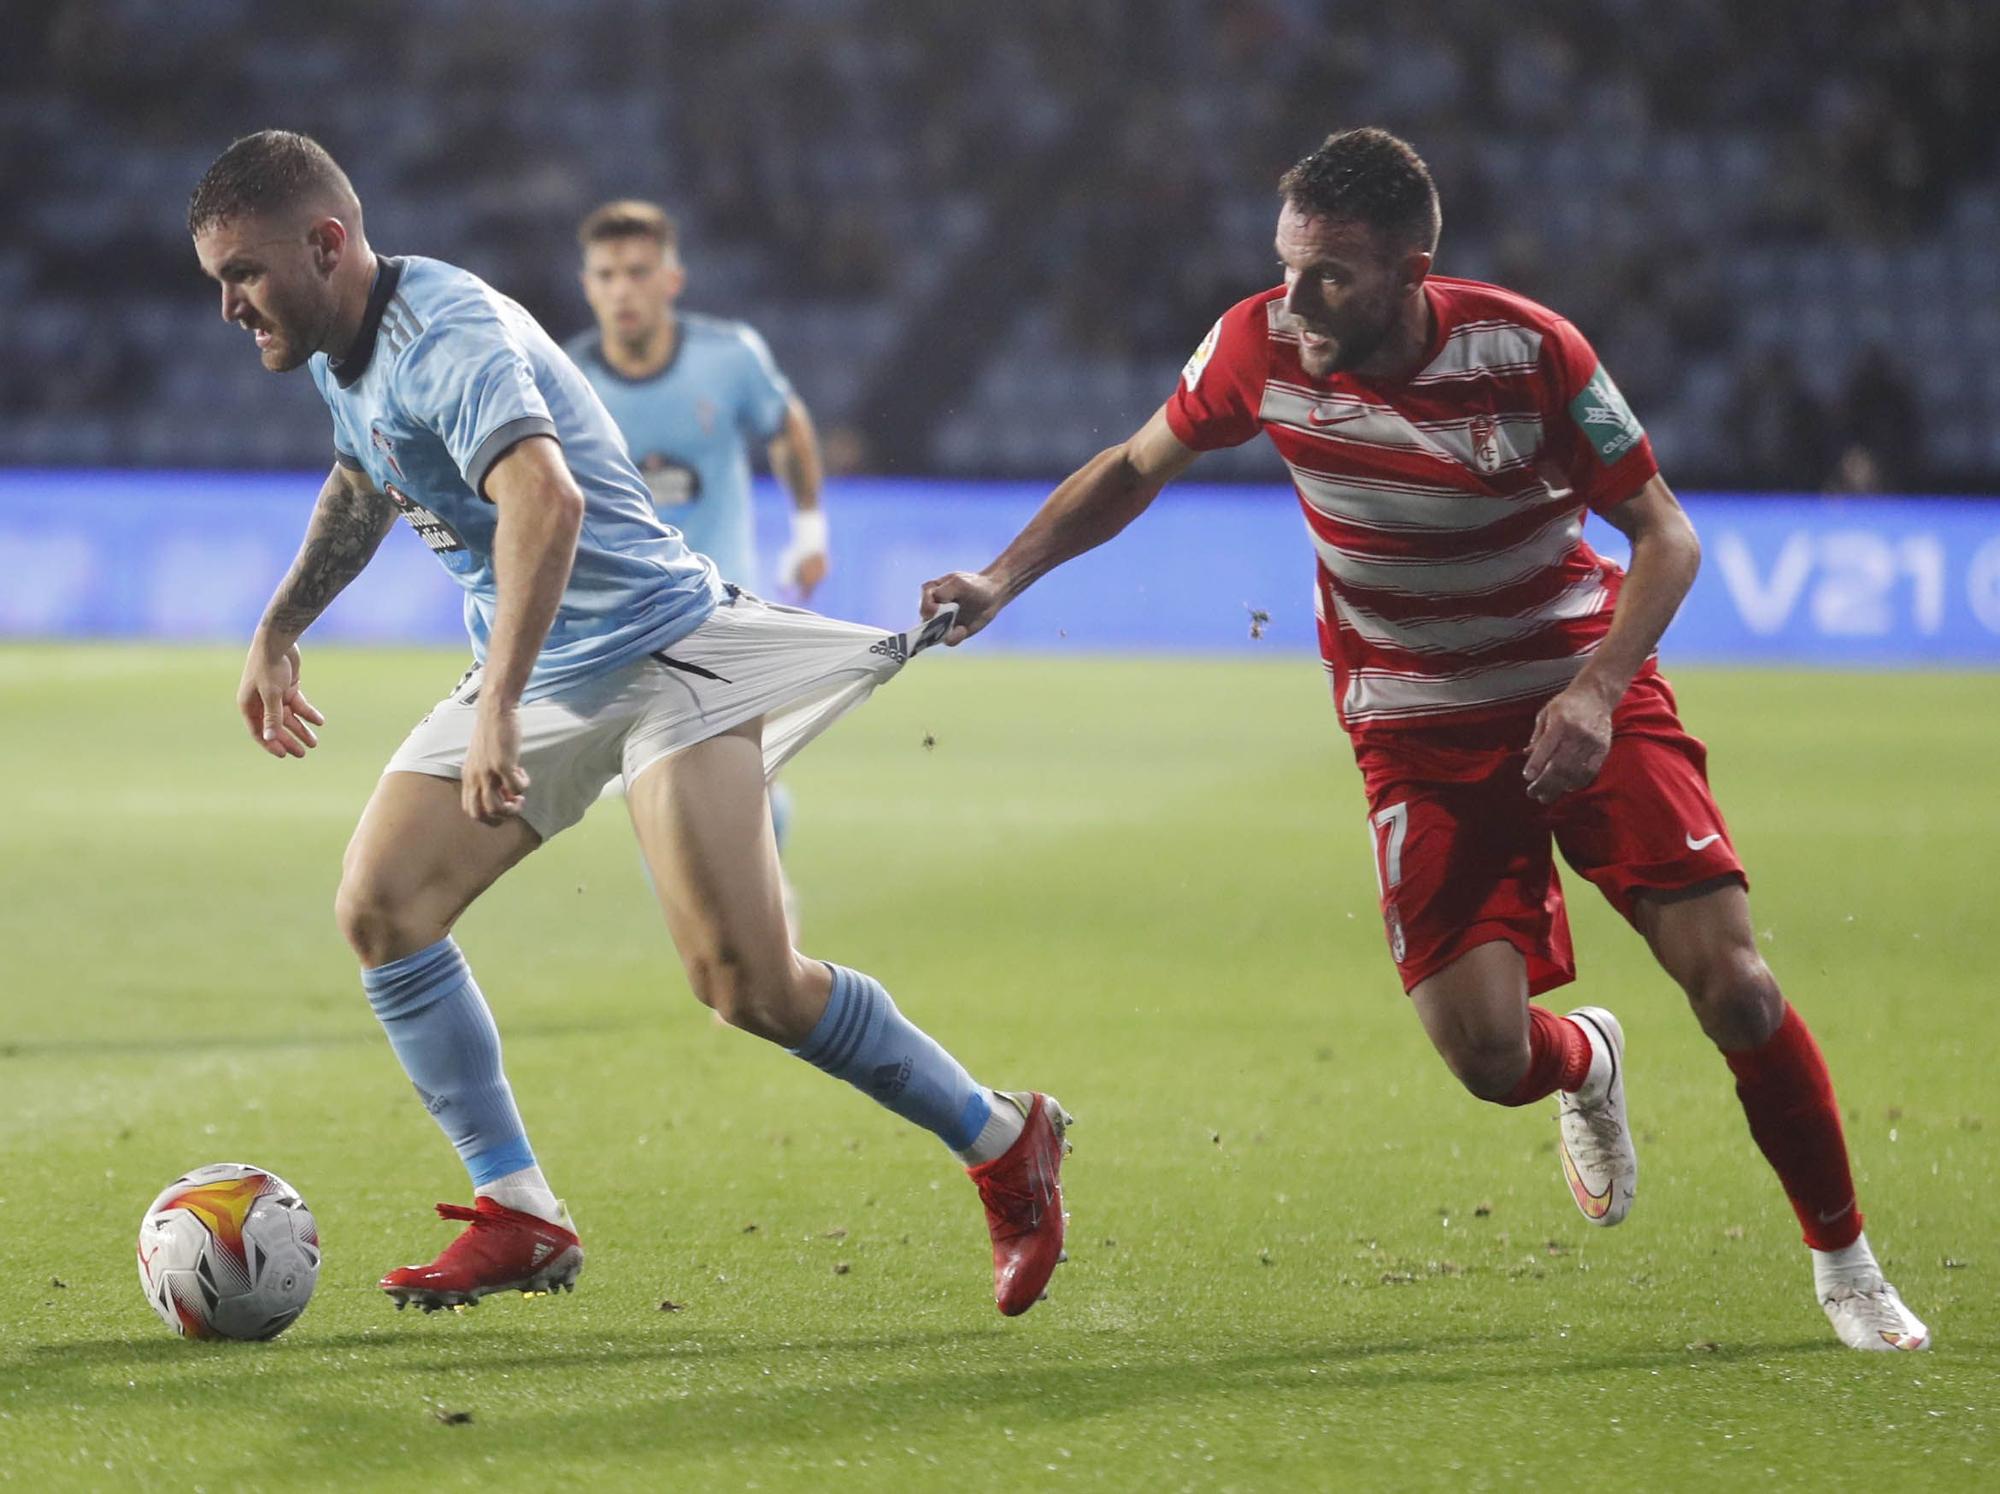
<point x="892" y="647"/>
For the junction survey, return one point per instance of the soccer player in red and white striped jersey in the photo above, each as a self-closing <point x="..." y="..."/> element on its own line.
<point x="1447" y="439"/>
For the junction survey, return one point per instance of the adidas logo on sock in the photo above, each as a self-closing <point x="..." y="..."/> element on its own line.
<point x="889" y="1079"/>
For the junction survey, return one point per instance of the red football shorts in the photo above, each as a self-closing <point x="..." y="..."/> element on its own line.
<point x="1464" y="856"/>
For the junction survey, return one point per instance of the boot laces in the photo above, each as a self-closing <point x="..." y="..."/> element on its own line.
<point x="1602" y="1143"/>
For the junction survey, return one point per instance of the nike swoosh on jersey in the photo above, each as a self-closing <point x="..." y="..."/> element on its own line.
<point x="1317" y="416"/>
<point x="1706" y="841"/>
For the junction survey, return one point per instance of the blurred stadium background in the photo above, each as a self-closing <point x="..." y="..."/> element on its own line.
<point x="981" y="240"/>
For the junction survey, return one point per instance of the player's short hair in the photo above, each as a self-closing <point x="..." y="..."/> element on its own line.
<point x="1368" y="176"/>
<point x="267" y="173"/>
<point x="629" y="218"/>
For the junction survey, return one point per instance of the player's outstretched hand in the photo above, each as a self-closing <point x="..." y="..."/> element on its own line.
<point x="805" y="572"/>
<point x="280" y="718"/>
<point x="979" y="599"/>
<point x="1571" y="739"/>
<point x="495" y="785"/>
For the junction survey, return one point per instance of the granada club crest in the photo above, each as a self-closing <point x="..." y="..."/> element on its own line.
<point x="1485" y="444"/>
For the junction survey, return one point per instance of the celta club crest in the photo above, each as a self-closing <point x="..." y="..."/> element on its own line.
<point x="387" y="447"/>
<point x="1485" y="444"/>
<point x="673" y="484"/>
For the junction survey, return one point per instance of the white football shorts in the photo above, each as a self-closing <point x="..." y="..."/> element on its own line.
<point x="798" y="670"/>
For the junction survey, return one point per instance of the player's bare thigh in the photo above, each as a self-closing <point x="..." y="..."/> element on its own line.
<point x="1702" y="936"/>
<point x="415" y="863"/>
<point x="1475" y="1012"/>
<point x="704" y="826"/>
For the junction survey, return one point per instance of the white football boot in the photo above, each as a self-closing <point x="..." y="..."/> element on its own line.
<point x="1864" y="1309"/>
<point x="1598" y="1160"/>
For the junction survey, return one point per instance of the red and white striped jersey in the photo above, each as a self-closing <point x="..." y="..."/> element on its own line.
<point x="1446" y="508"/>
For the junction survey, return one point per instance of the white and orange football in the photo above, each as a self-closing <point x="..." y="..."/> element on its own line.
<point x="228" y="1251"/>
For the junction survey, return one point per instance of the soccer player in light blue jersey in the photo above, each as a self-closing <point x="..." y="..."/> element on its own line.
<point x="603" y="647"/>
<point x="692" y="395"/>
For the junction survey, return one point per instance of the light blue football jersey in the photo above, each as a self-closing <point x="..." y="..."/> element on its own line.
<point x="690" y="426"/>
<point x="446" y="377"/>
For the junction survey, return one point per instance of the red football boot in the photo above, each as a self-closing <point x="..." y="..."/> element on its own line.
<point x="504" y="1250"/>
<point x="1022" y="1191"/>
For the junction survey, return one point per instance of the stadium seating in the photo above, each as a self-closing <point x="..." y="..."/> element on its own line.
<point x="1077" y="189"/>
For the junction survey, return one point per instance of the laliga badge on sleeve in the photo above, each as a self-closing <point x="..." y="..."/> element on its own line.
<point x="1191" y="373"/>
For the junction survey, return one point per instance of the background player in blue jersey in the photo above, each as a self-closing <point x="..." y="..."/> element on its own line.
<point x="692" y="394"/>
<point x="603" y="648"/>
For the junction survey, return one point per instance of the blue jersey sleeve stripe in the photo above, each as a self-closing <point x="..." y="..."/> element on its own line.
<point x="499" y="443"/>
<point x="412" y="323"/>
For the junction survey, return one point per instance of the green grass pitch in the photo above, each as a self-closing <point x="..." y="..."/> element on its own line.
<point x="1300" y="1256"/>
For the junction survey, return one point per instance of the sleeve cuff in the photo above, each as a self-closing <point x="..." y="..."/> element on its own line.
<point x="1641" y="467"/>
<point x="348" y="460"/>
<point x="1182" y="427"/>
<point x="499" y="443"/>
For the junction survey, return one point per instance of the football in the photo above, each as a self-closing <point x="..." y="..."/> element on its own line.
<point x="228" y="1251"/>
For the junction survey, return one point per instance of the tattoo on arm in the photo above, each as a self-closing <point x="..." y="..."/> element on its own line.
<point x="347" y="526"/>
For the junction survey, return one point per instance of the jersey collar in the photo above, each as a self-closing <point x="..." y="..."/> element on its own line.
<point x="355" y="364"/>
<point x="603" y="358"/>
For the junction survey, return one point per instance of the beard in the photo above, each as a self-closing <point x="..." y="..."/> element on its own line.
<point x="1350" y="346"/>
<point x="285" y="351"/>
<point x="291" y="342"/>
<point x="635" y="340"/>
<point x="281" y="354"/>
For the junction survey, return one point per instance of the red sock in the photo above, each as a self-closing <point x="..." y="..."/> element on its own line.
<point x="1787" y="1095"/>
<point x="1558" y="1057"/>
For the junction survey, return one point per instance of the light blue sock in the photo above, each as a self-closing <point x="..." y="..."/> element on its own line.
<point x="863" y="1039"/>
<point x="441" y="1029"/>
<point x="781" y="815"/>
